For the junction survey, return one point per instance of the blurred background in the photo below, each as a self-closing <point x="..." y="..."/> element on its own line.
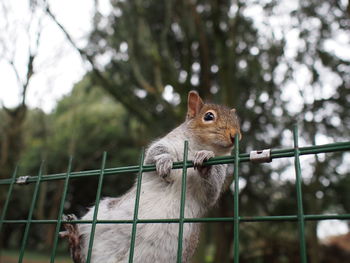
<point x="82" y="77"/>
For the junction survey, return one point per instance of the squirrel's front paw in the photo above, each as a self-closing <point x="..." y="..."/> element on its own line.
<point x="71" y="229"/>
<point x="200" y="157"/>
<point x="164" y="163"/>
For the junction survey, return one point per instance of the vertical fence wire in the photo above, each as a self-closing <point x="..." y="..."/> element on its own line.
<point x="30" y="214"/>
<point x="8" y="197"/>
<point x="298" y="183"/>
<point x="136" y="209"/>
<point x="236" y="202"/>
<point x="98" y="197"/>
<point x="60" y="212"/>
<point x="182" y="203"/>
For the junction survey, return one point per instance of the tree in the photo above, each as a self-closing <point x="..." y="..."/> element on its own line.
<point x="11" y="127"/>
<point x="160" y="50"/>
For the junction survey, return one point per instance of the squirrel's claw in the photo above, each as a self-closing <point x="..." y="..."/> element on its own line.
<point x="164" y="163"/>
<point x="69" y="217"/>
<point x="200" y="157"/>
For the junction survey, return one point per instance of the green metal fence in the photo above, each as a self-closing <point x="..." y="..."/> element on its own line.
<point x="236" y="158"/>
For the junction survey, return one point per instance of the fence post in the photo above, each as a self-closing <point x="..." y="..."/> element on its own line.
<point x="236" y="202"/>
<point x="136" y="209"/>
<point x="182" y="203"/>
<point x="8" y="197"/>
<point x="298" y="181"/>
<point x="97" y="203"/>
<point x="60" y="212"/>
<point x="31" y="211"/>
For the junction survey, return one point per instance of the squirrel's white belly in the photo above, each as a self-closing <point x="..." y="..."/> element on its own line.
<point x="155" y="242"/>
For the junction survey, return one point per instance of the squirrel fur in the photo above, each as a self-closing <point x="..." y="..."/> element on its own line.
<point x="210" y="130"/>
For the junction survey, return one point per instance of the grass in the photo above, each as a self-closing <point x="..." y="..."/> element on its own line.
<point x="11" y="256"/>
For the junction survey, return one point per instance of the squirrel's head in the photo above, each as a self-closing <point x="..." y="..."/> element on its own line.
<point x="214" y="126"/>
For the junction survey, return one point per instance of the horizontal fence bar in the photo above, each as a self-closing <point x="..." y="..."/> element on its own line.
<point x="282" y="218"/>
<point x="275" y="154"/>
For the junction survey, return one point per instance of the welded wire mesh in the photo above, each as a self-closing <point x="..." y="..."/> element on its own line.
<point x="236" y="159"/>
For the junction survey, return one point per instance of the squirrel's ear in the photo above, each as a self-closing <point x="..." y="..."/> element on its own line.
<point x="194" y="104"/>
<point x="233" y="110"/>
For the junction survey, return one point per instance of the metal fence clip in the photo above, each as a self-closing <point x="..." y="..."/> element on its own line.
<point x="22" y="179"/>
<point x="260" y="156"/>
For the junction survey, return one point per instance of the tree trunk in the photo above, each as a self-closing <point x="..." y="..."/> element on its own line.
<point x="11" y="147"/>
<point x="314" y="247"/>
<point x="11" y="144"/>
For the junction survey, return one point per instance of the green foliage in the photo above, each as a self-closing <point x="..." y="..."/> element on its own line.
<point x="233" y="53"/>
<point x="85" y="123"/>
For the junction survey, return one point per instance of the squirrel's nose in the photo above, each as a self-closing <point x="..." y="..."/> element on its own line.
<point x="232" y="138"/>
<point x="233" y="135"/>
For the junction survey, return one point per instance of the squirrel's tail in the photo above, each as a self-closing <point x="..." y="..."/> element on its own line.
<point x="74" y="238"/>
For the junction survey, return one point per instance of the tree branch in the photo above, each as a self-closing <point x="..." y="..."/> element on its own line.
<point x="30" y="73"/>
<point x="105" y="83"/>
<point x="18" y="78"/>
<point x="69" y="38"/>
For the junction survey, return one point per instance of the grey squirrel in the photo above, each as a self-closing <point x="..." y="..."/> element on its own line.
<point x="210" y="130"/>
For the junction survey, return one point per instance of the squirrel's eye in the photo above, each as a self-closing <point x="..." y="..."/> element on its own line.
<point x="209" y="116"/>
